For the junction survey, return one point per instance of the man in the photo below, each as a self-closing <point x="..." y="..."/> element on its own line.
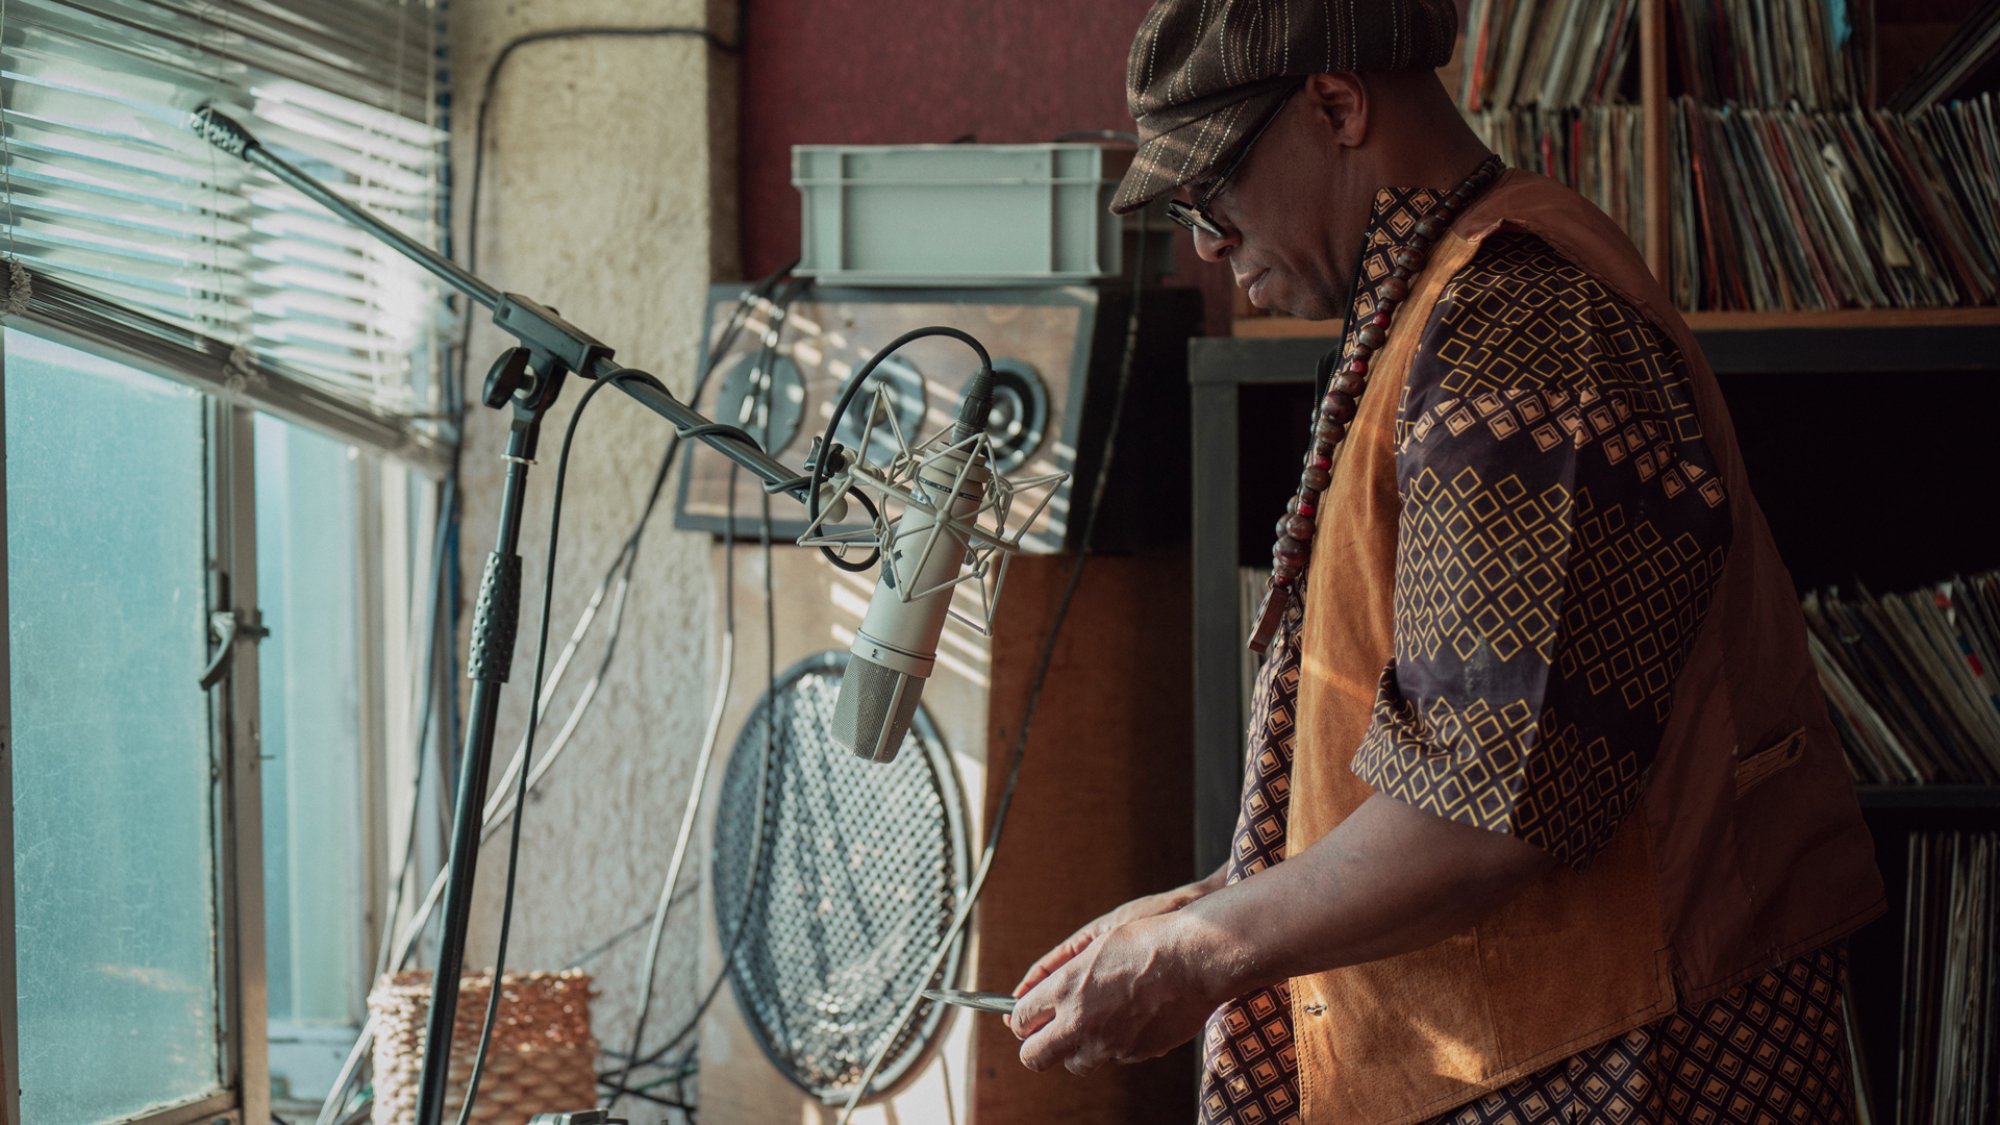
<point x="1543" y="815"/>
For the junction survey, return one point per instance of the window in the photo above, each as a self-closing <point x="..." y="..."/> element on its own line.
<point x="219" y="415"/>
<point x="114" y="807"/>
<point x="309" y="586"/>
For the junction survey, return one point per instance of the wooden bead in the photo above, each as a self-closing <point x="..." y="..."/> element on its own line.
<point x="1391" y="288"/>
<point x="1428" y="230"/>
<point x="1338" y="406"/>
<point x="1330" y="430"/>
<point x="1300" y="528"/>
<point x="1408" y="258"/>
<point x="1316" y="478"/>
<point x="1346" y="383"/>
<point x="1370" y="337"/>
<point x="1289" y="549"/>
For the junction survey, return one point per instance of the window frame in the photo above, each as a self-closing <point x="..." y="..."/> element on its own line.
<point x="405" y="450"/>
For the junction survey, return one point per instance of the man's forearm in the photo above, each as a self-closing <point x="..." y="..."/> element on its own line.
<point x="1388" y="880"/>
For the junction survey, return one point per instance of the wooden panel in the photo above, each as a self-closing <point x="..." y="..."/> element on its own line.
<point x="1100" y="815"/>
<point x="1658" y="219"/>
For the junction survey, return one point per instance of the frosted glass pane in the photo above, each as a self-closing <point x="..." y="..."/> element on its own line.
<point x="113" y="807"/>
<point x="310" y="699"/>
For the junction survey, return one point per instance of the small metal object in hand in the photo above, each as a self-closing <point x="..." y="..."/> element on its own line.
<point x="981" y="1001"/>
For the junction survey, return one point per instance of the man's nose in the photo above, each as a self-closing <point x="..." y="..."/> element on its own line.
<point x="1212" y="248"/>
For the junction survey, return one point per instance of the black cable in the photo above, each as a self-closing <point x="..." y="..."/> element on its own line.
<point x="822" y="469"/>
<point x="528" y="745"/>
<point x="767" y="357"/>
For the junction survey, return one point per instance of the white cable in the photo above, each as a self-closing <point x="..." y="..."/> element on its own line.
<point x="688" y="814"/>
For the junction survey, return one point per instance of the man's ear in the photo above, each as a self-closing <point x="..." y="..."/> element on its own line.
<point x="1341" y="101"/>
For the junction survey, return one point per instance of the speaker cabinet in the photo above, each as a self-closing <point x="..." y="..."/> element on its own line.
<point x="1100" y="816"/>
<point x="824" y="911"/>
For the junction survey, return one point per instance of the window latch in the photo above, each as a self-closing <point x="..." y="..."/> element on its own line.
<point x="224" y="630"/>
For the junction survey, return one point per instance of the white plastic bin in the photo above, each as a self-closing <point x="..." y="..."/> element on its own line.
<point x="959" y="214"/>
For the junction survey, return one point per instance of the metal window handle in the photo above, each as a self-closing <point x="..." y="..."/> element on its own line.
<point x="224" y="630"/>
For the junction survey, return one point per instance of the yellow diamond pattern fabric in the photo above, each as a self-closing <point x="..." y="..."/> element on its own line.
<point x="1559" y="540"/>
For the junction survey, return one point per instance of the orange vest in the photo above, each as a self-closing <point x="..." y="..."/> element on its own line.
<point x="1715" y="877"/>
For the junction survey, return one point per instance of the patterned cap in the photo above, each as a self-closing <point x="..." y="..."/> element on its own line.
<point x="1204" y="73"/>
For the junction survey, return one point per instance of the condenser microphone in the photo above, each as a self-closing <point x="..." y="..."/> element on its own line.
<point x="896" y="647"/>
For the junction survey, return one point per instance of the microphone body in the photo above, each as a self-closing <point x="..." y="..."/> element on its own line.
<point x="895" y="648"/>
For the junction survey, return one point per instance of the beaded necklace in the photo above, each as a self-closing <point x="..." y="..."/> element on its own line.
<point x="1336" y="410"/>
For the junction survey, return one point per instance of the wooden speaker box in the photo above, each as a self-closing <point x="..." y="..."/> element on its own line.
<point x="829" y="878"/>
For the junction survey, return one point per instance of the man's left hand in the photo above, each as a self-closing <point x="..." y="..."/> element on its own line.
<point x="1134" y="993"/>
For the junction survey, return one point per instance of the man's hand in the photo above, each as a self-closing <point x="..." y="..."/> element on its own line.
<point x="1166" y="902"/>
<point x="1133" y="992"/>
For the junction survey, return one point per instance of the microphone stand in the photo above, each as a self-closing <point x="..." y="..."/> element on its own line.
<point x="527" y="379"/>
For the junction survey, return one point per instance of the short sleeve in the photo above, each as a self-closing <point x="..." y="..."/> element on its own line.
<point x="1561" y="532"/>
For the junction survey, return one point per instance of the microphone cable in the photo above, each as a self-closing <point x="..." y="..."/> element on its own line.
<point x="1043" y="661"/>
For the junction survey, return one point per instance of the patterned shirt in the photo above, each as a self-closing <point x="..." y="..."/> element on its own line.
<point x="1560" y="534"/>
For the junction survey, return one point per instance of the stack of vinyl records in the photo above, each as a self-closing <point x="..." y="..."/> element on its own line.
<point x="1542" y="84"/>
<point x="1913" y="680"/>
<point x="1950" y="1028"/>
<point x="1546" y="52"/>
<point x="1598" y="150"/>
<point x="1971" y="58"/>
<point x="1809" y="54"/>
<point x="1775" y="209"/>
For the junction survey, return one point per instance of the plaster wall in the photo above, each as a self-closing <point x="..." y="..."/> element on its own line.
<point x="602" y="164"/>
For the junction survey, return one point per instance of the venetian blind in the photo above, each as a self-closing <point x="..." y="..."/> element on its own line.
<point x="108" y="191"/>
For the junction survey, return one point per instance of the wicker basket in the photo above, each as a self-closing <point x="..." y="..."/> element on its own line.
<point x="542" y="1060"/>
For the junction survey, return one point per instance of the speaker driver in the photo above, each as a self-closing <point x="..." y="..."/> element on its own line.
<point x="1019" y="419"/>
<point x="835" y="879"/>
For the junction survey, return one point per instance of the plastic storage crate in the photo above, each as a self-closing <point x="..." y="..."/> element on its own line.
<point x="958" y="214"/>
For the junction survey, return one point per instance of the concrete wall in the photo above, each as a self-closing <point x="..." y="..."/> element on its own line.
<point x="609" y="194"/>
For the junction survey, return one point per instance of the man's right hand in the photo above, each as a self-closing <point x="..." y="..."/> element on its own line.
<point x="1166" y="902"/>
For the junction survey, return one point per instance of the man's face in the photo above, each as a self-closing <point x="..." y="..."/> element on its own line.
<point x="1292" y="215"/>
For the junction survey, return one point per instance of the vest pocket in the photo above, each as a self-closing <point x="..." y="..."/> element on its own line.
<point x="1757" y="768"/>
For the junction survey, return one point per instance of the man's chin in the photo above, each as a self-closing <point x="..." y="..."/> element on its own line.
<point x="1269" y="296"/>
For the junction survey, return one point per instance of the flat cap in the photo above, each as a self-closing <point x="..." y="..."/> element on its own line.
<point x="1204" y="73"/>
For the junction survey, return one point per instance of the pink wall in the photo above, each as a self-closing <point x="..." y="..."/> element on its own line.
<point x="883" y="72"/>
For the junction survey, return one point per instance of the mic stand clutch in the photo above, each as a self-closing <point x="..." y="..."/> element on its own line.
<point x="526" y="379"/>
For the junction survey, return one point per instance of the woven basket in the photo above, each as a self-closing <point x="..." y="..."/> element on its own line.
<point x="542" y="1060"/>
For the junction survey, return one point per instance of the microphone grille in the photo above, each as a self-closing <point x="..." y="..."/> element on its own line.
<point x="874" y="710"/>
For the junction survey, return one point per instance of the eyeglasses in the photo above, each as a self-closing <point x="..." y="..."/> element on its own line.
<point x="1194" y="216"/>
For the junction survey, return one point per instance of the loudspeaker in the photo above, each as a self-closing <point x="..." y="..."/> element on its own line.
<point x="830" y="878"/>
<point x="1055" y="354"/>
